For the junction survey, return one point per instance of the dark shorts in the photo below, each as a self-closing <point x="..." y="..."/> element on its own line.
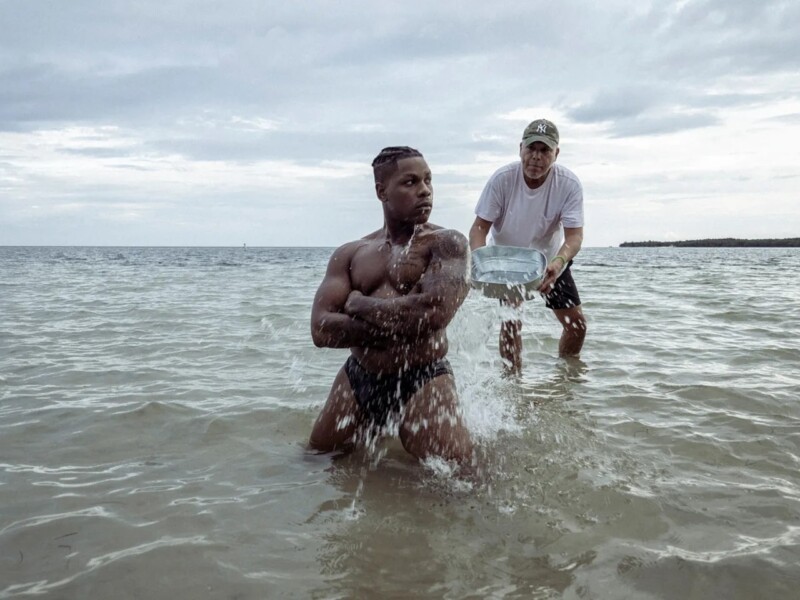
<point x="380" y="396"/>
<point x="565" y="292"/>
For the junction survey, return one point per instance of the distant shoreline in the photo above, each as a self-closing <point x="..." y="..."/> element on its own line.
<point x="719" y="243"/>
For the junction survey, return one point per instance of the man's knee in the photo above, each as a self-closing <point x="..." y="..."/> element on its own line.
<point x="573" y="320"/>
<point x="577" y="325"/>
<point x="443" y="435"/>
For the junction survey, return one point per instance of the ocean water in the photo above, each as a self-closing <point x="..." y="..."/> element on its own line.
<point x="155" y="405"/>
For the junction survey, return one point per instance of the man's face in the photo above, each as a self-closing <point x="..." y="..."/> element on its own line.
<point x="407" y="193"/>
<point x="537" y="160"/>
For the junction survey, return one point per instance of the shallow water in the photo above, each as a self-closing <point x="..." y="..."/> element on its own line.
<point x="155" y="404"/>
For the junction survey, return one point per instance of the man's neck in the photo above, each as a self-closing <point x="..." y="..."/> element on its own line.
<point x="399" y="234"/>
<point x="536" y="183"/>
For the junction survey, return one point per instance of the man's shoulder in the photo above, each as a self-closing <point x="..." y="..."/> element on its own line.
<point x="566" y="174"/>
<point x="448" y="241"/>
<point x="348" y="249"/>
<point x="439" y="231"/>
<point x="505" y="180"/>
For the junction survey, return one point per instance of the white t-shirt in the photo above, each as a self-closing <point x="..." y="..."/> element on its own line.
<point x="530" y="218"/>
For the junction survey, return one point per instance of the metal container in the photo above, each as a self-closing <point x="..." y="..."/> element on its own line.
<point x="508" y="272"/>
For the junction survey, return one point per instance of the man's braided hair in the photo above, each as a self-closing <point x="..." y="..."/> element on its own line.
<point x="386" y="161"/>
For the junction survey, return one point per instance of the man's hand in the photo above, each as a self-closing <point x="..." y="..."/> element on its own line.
<point x="573" y="240"/>
<point x="355" y="302"/>
<point x="551" y="273"/>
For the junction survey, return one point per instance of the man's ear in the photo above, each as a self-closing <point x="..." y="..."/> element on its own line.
<point x="380" y="191"/>
<point x="557" y="151"/>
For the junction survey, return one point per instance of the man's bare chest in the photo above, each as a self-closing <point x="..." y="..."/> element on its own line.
<point x="387" y="271"/>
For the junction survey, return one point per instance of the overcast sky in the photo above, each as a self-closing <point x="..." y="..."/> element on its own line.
<point x="223" y="123"/>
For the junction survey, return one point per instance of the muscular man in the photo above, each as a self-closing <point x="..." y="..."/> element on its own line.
<point x="389" y="297"/>
<point x="535" y="203"/>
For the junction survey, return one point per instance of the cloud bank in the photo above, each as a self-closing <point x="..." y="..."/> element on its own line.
<point x="201" y="123"/>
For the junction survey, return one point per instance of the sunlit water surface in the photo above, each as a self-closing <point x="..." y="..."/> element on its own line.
<point x="155" y="405"/>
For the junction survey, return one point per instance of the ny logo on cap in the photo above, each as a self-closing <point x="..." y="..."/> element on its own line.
<point x="541" y="128"/>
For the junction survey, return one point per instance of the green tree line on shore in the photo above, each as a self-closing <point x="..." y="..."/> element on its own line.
<point x="719" y="243"/>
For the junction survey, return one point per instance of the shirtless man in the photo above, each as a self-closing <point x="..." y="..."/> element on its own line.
<point x="389" y="297"/>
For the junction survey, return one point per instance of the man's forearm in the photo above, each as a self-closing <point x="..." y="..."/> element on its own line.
<point x="408" y="316"/>
<point x="477" y="238"/>
<point x="337" y="330"/>
<point x="570" y="248"/>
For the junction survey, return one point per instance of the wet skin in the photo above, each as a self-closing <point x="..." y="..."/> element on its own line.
<point x="389" y="298"/>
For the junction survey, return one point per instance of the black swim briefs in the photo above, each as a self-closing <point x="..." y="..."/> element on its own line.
<point x="385" y="394"/>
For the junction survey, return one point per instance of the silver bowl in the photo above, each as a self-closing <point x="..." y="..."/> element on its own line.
<point x="508" y="272"/>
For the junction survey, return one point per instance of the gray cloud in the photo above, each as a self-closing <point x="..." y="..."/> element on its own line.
<point x="617" y="104"/>
<point x="661" y="124"/>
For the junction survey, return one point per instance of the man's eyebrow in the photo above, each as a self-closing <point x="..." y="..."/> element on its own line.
<point x="414" y="174"/>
